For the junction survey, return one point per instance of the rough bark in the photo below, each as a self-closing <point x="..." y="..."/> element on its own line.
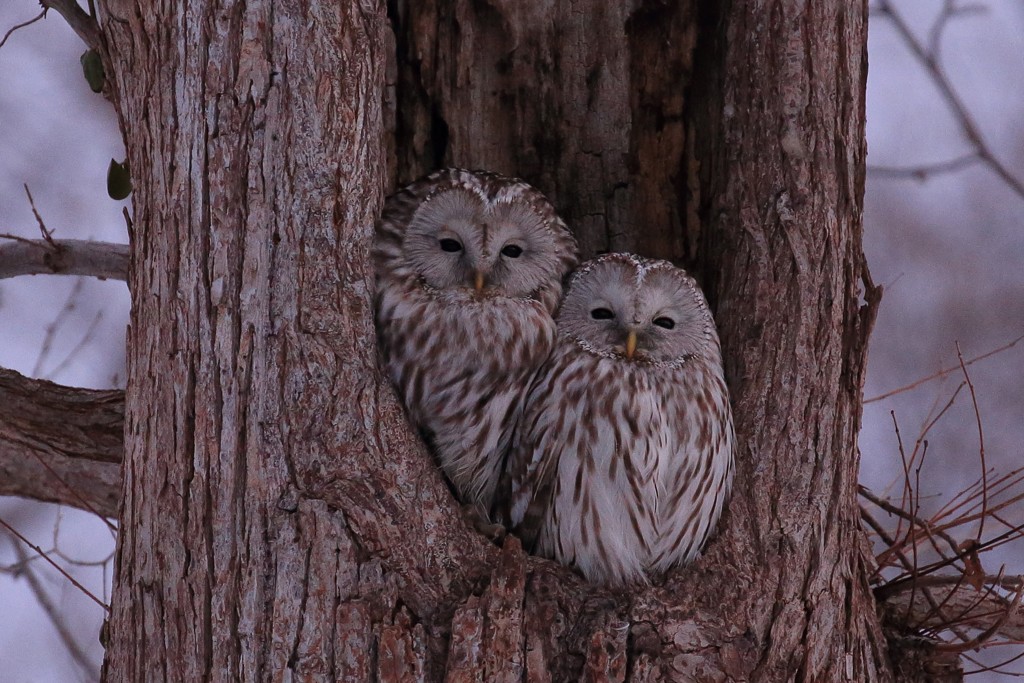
<point x="60" y="444"/>
<point x="742" y="158"/>
<point x="278" y="517"/>
<point x="779" y="138"/>
<point x="584" y="99"/>
<point x="271" y="485"/>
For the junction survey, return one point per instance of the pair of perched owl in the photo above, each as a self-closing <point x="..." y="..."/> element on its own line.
<point x="605" y="408"/>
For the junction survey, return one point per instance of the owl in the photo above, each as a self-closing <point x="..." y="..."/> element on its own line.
<point x="624" y="455"/>
<point x="469" y="271"/>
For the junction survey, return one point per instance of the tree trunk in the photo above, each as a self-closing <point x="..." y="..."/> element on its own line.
<point x="278" y="517"/>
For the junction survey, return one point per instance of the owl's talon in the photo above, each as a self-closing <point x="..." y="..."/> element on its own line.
<point x="477" y="518"/>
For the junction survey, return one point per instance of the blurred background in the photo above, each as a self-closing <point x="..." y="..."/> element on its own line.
<point x="944" y="235"/>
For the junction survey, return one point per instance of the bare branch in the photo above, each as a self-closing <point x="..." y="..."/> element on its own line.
<point x="56" y="617"/>
<point x="924" y="171"/>
<point x="930" y="59"/>
<point x="80" y="22"/>
<point x="61" y="444"/>
<point x="104" y="260"/>
<point x="22" y="25"/>
<point x="943" y="372"/>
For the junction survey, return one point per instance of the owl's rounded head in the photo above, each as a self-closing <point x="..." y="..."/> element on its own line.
<point x="638" y="310"/>
<point x="484" y="235"/>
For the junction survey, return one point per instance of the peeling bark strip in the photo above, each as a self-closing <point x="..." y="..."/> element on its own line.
<point x="279" y="519"/>
<point x="60" y="444"/>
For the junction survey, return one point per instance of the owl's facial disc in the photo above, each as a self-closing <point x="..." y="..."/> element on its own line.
<point x="651" y="316"/>
<point x="458" y="239"/>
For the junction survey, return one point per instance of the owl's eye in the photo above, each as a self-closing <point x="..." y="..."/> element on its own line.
<point x="450" y="245"/>
<point x="512" y="250"/>
<point x="601" y="314"/>
<point x="667" y="323"/>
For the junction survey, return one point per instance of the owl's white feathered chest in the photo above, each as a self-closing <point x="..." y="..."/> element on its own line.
<point x="628" y="495"/>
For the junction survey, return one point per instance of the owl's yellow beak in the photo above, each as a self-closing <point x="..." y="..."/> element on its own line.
<point x="478" y="280"/>
<point x="631" y="344"/>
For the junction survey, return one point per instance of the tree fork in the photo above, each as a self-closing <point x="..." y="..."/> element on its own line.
<point x="276" y="509"/>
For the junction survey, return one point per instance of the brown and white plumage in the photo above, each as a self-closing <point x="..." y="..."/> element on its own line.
<point x="623" y="459"/>
<point x="469" y="273"/>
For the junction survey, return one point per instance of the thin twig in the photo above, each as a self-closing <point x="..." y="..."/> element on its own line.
<point x="47" y="233"/>
<point x="968" y="613"/>
<point x="926" y="525"/>
<point x="57" y="520"/>
<point x="56" y="566"/>
<point x="995" y="668"/>
<point x="53" y="327"/>
<point x="944" y="372"/>
<point x="55" y="616"/>
<point x="936" y="607"/>
<point x="932" y="64"/>
<point x="893" y="586"/>
<point x="1005" y="483"/>
<point x="928" y="426"/>
<point x="22" y="25"/>
<point x="86" y="338"/>
<point x="903" y="460"/>
<point x="981" y="443"/>
<point x="966" y="518"/>
<point x="923" y="171"/>
<point x="73" y="492"/>
<point x="938" y="28"/>
<point x="915" y="507"/>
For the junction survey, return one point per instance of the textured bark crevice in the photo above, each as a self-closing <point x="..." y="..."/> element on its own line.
<point x="61" y="444"/>
<point x="781" y="183"/>
<point x="584" y="100"/>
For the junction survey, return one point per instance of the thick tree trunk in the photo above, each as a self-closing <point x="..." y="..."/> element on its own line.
<point x="278" y="517"/>
<point x="744" y="159"/>
<point x="272" y="495"/>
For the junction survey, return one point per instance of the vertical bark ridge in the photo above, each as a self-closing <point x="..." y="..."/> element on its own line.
<point x="782" y="184"/>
